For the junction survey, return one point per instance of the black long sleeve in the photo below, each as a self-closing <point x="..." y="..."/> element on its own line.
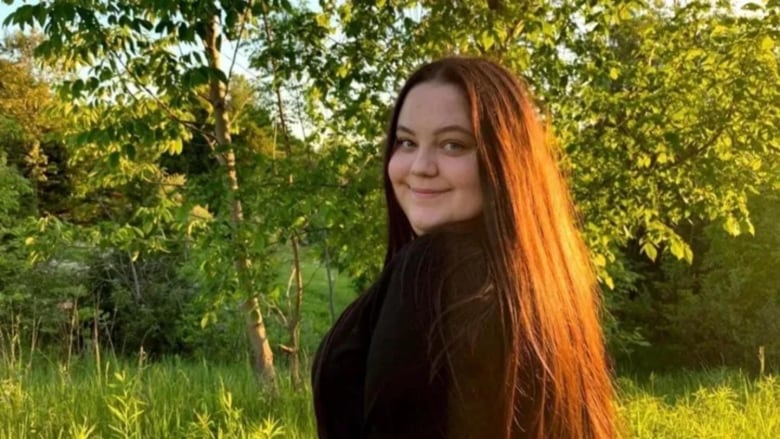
<point x="438" y="296"/>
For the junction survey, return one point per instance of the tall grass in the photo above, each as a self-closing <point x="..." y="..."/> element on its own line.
<point x="172" y="398"/>
<point x="177" y="399"/>
<point x="710" y="404"/>
<point x="166" y="399"/>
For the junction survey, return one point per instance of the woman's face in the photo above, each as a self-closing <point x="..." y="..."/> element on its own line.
<point x="433" y="168"/>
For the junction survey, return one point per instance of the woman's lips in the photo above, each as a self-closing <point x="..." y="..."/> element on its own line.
<point x="426" y="193"/>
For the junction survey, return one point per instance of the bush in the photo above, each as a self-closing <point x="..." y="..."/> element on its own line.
<point x="720" y="310"/>
<point x="149" y="304"/>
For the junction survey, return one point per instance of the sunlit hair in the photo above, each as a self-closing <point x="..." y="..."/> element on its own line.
<point x="556" y="364"/>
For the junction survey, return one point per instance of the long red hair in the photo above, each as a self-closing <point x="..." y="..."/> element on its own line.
<point x="547" y="291"/>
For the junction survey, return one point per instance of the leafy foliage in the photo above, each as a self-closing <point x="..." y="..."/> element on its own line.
<point x="721" y="309"/>
<point x="666" y="117"/>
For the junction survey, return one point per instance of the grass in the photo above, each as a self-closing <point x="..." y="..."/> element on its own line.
<point x="178" y="399"/>
<point x="707" y="404"/>
<point x="315" y="307"/>
<point x="167" y="399"/>
<point x="174" y="398"/>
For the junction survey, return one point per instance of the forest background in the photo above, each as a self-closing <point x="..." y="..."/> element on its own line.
<point x="195" y="188"/>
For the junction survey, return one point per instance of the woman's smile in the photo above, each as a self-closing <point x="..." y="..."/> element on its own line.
<point x="427" y="193"/>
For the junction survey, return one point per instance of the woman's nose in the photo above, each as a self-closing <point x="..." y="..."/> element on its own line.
<point x="424" y="163"/>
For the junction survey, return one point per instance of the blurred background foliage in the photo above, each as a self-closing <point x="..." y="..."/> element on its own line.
<point x="116" y="226"/>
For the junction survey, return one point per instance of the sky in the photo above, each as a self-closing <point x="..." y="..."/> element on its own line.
<point x="5" y="10"/>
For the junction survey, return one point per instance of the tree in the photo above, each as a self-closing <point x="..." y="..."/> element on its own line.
<point x="30" y="124"/>
<point x="155" y="57"/>
<point x="665" y="115"/>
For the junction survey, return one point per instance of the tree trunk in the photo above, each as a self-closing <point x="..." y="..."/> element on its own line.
<point x="330" y="281"/>
<point x="294" y="241"/>
<point x="263" y="356"/>
<point x="295" y="331"/>
<point x="262" y="360"/>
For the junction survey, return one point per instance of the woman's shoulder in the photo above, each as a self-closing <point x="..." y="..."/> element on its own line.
<point x="454" y="263"/>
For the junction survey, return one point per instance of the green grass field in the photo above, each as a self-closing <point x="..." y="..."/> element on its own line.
<point x="174" y="398"/>
<point x="179" y="399"/>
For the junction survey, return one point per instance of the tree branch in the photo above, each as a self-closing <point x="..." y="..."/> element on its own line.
<point x="244" y="18"/>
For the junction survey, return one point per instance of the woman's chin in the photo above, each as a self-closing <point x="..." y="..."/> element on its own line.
<point x="422" y="227"/>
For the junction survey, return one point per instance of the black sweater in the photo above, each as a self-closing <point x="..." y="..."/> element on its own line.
<point x="378" y="373"/>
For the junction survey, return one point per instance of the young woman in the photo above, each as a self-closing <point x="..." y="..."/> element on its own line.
<point x="484" y="322"/>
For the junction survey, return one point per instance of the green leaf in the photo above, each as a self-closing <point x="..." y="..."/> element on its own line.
<point x="688" y="255"/>
<point x="129" y="150"/>
<point x="41" y="13"/>
<point x="146" y="24"/>
<point x="77" y="87"/>
<point x="323" y="20"/>
<point x="22" y="16"/>
<point x="607" y="279"/>
<point x="731" y="225"/>
<point x="681" y="250"/>
<point x="175" y="146"/>
<point x="207" y="318"/>
<point x="650" y="250"/>
<point x="487" y="40"/>
<point x="767" y="44"/>
<point x="113" y="160"/>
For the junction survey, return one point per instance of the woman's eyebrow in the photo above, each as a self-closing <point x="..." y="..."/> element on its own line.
<point x="403" y="128"/>
<point x="444" y="129"/>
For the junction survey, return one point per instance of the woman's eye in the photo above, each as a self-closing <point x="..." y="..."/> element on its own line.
<point x="453" y="147"/>
<point x="404" y="143"/>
